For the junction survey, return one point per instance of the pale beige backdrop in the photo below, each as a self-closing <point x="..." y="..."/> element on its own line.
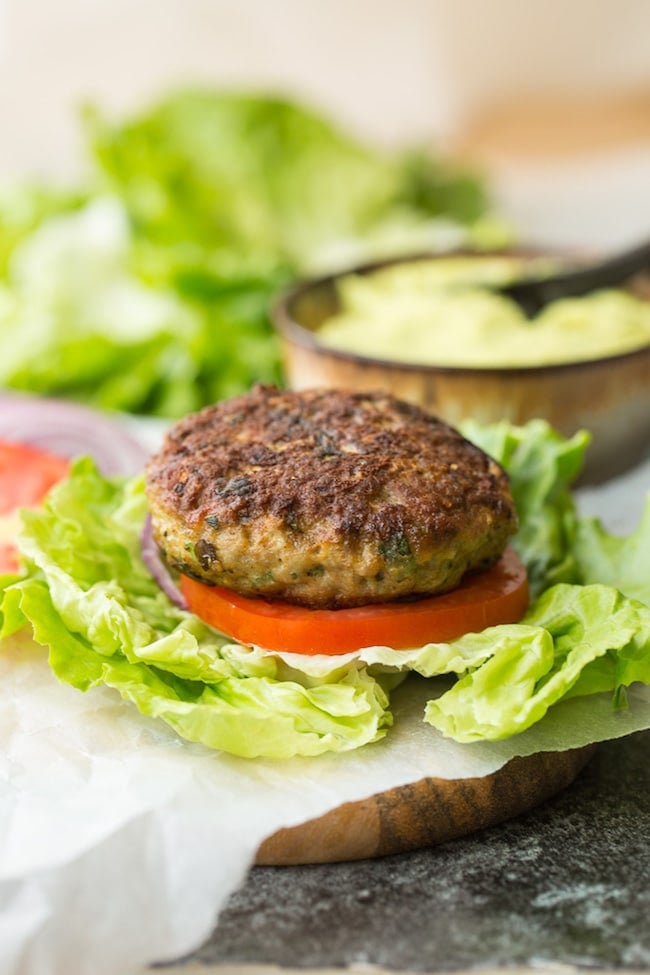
<point x="553" y="96"/>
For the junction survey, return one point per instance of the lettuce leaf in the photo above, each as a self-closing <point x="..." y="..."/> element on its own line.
<point x="266" y="183"/>
<point x="88" y="596"/>
<point x="24" y="207"/>
<point x="623" y="562"/>
<point x="541" y="465"/>
<point x="91" y="600"/>
<point x="549" y="655"/>
<point x="148" y="291"/>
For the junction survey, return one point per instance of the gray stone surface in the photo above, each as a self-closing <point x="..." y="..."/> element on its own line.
<point x="568" y="884"/>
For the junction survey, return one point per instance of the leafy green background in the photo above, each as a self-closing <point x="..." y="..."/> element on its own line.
<point x="146" y="289"/>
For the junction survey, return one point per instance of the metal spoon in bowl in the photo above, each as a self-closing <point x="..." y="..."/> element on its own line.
<point x="532" y="294"/>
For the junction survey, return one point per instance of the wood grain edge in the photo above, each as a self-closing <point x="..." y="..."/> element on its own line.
<point x="424" y="813"/>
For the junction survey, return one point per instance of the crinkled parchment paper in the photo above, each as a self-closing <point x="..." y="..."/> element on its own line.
<point x="119" y="843"/>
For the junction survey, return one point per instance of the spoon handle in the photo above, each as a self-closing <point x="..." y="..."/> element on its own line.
<point x="533" y="295"/>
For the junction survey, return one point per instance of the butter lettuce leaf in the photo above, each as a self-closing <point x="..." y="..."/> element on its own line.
<point x="265" y="184"/>
<point x="623" y="562"/>
<point x="542" y="465"/>
<point x="574" y="640"/>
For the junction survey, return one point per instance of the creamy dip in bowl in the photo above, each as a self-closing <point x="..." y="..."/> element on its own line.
<point x="446" y="312"/>
<point x="431" y="330"/>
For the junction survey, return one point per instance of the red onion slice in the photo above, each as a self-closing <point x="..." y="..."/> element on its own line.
<point x="160" y="573"/>
<point x="70" y="430"/>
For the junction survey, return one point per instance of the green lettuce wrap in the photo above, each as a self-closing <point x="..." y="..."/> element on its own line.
<point x="91" y="600"/>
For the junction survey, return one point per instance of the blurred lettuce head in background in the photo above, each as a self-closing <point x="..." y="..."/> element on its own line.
<point x="146" y="289"/>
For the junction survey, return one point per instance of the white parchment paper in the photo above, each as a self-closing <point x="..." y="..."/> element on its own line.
<point x="119" y="843"/>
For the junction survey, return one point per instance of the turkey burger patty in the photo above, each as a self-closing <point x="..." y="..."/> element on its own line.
<point x="326" y="498"/>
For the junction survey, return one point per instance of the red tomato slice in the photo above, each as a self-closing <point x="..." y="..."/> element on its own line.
<point x="26" y="475"/>
<point x="499" y="595"/>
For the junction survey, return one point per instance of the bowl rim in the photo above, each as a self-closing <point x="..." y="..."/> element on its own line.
<point x="288" y="327"/>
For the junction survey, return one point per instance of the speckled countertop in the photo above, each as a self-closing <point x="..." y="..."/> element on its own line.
<point x="565" y="885"/>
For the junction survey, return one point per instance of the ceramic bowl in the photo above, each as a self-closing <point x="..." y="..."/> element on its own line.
<point x="610" y="396"/>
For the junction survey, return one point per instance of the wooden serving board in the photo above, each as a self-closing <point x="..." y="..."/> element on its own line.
<point x="424" y="813"/>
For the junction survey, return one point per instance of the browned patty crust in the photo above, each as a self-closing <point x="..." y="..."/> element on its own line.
<point x="326" y="498"/>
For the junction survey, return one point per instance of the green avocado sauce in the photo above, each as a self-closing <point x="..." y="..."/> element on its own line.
<point x="442" y="312"/>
